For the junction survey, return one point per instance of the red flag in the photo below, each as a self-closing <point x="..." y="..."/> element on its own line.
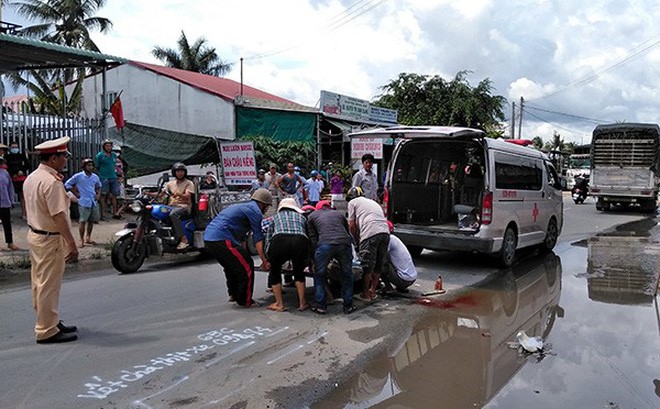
<point x="117" y="113"/>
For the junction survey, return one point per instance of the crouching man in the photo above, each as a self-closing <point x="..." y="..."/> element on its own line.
<point x="223" y="239"/>
<point x="401" y="272"/>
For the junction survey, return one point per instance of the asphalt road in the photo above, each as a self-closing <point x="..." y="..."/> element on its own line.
<point x="167" y="337"/>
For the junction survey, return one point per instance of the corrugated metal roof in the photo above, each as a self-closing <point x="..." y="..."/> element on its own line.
<point x="21" y="53"/>
<point x="221" y="87"/>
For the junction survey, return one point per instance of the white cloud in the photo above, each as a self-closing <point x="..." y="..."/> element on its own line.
<point x="567" y="57"/>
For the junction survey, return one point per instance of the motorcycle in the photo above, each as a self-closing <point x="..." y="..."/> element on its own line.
<point x="151" y="234"/>
<point x="579" y="192"/>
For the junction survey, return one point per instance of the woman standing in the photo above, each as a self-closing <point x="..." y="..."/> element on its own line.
<point x="7" y="197"/>
<point x="287" y="239"/>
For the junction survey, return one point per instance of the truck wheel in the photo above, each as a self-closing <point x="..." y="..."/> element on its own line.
<point x="648" y="206"/>
<point x="509" y="245"/>
<point x="127" y="258"/>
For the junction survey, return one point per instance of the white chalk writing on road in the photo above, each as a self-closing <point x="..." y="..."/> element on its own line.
<point x="101" y="389"/>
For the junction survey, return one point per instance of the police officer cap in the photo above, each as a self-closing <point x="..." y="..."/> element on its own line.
<point x="54" y="146"/>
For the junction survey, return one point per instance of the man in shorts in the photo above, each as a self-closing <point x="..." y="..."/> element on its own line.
<point x="368" y="225"/>
<point x="86" y="186"/>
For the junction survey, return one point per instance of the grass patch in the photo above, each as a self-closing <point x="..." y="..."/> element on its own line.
<point x="109" y="244"/>
<point x="16" y="263"/>
<point x="98" y="254"/>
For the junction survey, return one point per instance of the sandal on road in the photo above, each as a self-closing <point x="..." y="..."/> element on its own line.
<point x="275" y="307"/>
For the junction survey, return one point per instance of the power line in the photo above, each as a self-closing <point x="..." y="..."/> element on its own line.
<point x="592" y="77"/>
<point x="553" y="124"/>
<point x="596" y="121"/>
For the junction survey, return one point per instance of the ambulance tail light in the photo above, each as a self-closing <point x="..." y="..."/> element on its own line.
<point x="487" y="208"/>
<point x="386" y="201"/>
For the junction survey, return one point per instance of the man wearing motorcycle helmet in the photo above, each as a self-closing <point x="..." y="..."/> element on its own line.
<point x="224" y="237"/>
<point x="179" y="191"/>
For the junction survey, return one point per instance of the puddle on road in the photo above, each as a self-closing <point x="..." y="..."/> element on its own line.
<point x="457" y="355"/>
<point x="604" y="336"/>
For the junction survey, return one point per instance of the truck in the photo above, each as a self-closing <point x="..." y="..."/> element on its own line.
<point x="579" y="165"/>
<point x="625" y="165"/>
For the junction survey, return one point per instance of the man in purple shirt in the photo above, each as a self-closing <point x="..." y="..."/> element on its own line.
<point x="224" y="238"/>
<point x="7" y="197"/>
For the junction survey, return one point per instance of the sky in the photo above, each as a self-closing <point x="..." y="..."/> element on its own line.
<point x="575" y="63"/>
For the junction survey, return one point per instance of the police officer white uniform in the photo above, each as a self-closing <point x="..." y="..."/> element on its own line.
<point x="50" y="239"/>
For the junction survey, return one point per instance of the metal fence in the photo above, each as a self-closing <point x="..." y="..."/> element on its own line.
<point x="29" y="130"/>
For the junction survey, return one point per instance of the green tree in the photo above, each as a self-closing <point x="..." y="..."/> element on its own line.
<point x="431" y="100"/>
<point x="537" y="142"/>
<point x="269" y="151"/>
<point x="49" y="97"/>
<point x="196" y="57"/>
<point x="65" y="22"/>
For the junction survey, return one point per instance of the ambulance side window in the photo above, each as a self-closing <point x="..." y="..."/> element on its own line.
<point x="553" y="179"/>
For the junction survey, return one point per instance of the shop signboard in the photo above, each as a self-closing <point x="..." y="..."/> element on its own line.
<point x="238" y="163"/>
<point x="354" y="109"/>
<point x="361" y="146"/>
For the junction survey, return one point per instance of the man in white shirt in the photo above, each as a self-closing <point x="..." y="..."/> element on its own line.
<point x="401" y="272"/>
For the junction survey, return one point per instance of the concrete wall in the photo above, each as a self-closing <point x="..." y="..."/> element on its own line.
<point x="155" y="100"/>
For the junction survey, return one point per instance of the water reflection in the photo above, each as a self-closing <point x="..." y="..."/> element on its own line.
<point x="457" y="355"/>
<point x="622" y="269"/>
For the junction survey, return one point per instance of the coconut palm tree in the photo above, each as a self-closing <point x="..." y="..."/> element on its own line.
<point x="196" y="57"/>
<point x="65" y="22"/>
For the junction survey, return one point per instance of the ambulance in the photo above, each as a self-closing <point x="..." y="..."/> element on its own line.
<point x="451" y="188"/>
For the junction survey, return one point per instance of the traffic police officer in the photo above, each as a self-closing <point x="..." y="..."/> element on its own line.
<point x="50" y="239"/>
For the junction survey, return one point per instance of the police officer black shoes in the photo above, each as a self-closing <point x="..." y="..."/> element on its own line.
<point x="58" y="338"/>
<point x="66" y="329"/>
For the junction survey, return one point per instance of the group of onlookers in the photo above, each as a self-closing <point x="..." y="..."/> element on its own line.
<point x="14" y="168"/>
<point x="310" y="238"/>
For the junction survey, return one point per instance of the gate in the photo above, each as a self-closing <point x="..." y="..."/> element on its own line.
<point x="29" y="130"/>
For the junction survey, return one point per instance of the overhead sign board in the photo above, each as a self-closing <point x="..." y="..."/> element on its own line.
<point x="361" y="146"/>
<point x="354" y="109"/>
<point x="238" y="163"/>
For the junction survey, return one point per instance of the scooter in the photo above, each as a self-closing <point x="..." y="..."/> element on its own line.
<point x="579" y="192"/>
<point x="151" y="235"/>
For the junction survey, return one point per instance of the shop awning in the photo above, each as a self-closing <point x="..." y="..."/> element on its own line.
<point x="21" y="53"/>
<point x="280" y="125"/>
<point x="345" y="127"/>
<point x="149" y="150"/>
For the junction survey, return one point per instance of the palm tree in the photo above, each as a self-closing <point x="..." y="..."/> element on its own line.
<point x="197" y="58"/>
<point x="65" y="22"/>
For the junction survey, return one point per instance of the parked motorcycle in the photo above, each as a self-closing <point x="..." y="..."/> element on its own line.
<point x="580" y="191"/>
<point x="152" y="234"/>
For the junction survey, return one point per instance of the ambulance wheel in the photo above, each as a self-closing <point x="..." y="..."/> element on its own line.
<point x="509" y="245"/>
<point x="551" y="235"/>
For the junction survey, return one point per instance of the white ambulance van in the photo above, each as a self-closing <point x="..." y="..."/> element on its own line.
<point x="451" y="188"/>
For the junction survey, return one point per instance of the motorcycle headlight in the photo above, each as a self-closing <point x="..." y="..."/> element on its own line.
<point x="136" y="206"/>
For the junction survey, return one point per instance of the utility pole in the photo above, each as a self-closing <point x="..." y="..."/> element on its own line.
<point x="241" y="76"/>
<point x="513" y="120"/>
<point x="522" y="101"/>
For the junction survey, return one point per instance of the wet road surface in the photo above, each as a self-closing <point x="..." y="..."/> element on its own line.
<point x="167" y="338"/>
<point x="592" y="302"/>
